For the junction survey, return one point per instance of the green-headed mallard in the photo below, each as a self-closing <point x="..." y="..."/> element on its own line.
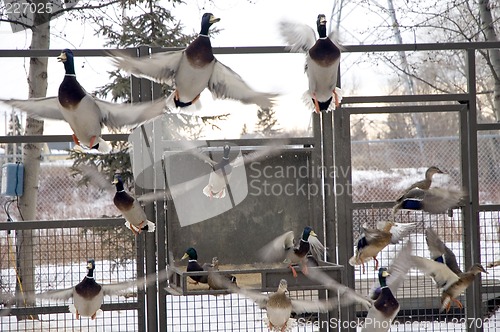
<point x="213" y="282"/>
<point x="372" y="241"/>
<point x="88" y="295"/>
<point x="194" y="69"/>
<point x="385" y="306"/>
<point x="322" y="61"/>
<point x="84" y="113"/>
<point x="194" y="266"/>
<point x="136" y="219"/>
<point x="279" y="306"/>
<point x="284" y="249"/>
<point x="452" y="283"/>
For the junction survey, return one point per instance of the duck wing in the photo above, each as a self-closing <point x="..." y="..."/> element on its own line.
<point x="257" y="297"/>
<point x="276" y="249"/>
<point x="140" y="283"/>
<point x="267" y="151"/>
<point x="227" y="84"/>
<point x="316" y="247"/>
<point x="37" y="107"/>
<point x="398" y="270"/>
<point x="57" y="294"/>
<point x="437" y="248"/>
<point x="172" y="192"/>
<point x="439" y="272"/>
<point x="401" y="230"/>
<point x="347" y="295"/>
<point x="299" y="37"/>
<point x="439" y="200"/>
<point x="118" y="115"/>
<point x="303" y="306"/>
<point x="159" y="67"/>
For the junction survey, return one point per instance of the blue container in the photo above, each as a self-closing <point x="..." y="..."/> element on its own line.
<point x="12" y="179"/>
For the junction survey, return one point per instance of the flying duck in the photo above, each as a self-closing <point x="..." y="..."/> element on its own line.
<point x="194" y="266"/>
<point x="445" y="272"/>
<point x="420" y="195"/>
<point x="372" y="241"/>
<point x="284" y="249"/>
<point x="322" y="62"/>
<point x="136" y="219"/>
<point x="84" y="113"/>
<point x="192" y="70"/>
<point x="385" y="306"/>
<point x="88" y="295"/>
<point x="221" y="170"/>
<point x="424" y="184"/>
<point x="432" y="200"/>
<point x="279" y="306"/>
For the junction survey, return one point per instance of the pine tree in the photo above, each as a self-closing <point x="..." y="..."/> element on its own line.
<point x="267" y="122"/>
<point x="154" y="26"/>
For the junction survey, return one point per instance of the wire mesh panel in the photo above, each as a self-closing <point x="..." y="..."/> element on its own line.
<point x="231" y="312"/>
<point x="383" y="168"/>
<point x="59" y="259"/>
<point x="60" y="196"/>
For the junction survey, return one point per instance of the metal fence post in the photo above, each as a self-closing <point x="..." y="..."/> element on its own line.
<point x="471" y="217"/>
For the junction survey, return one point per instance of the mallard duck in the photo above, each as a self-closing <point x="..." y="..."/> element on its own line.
<point x="432" y="200"/>
<point x="194" y="69"/>
<point x="88" y="295"/>
<point x="284" y="249"/>
<point x="444" y="270"/>
<point x="279" y="306"/>
<point x="84" y="113"/>
<point x="213" y="280"/>
<point x="322" y="61"/>
<point x="136" y="219"/>
<point x="221" y="170"/>
<point x="372" y="241"/>
<point x="423" y="184"/>
<point x="386" y="306"/>
<point x="220" y="175"/>
<point x="194" y="266"/>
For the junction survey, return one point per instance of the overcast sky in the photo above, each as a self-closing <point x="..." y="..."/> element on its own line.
<point x="243" y="23"/>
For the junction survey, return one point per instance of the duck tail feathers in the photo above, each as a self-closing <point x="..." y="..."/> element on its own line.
<point x="148" y="227"/>
<point x="353" y="260"/>
<point x="104" y="147"/>
<point x="208" y="192"/>
<point x="327" y="106"/>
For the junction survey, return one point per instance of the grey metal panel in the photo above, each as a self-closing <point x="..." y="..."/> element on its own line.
<point x="241" y="230"/>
